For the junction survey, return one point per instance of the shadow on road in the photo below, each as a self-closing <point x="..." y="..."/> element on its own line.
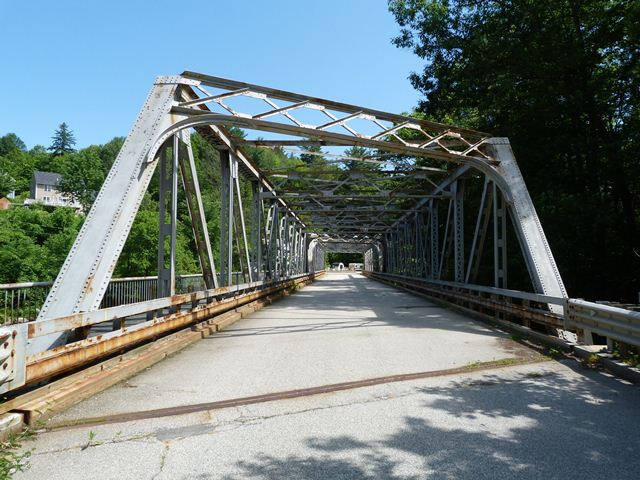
<point x="550" y="427"/>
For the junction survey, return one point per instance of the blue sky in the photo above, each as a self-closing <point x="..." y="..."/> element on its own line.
<point x="91" y="63"/>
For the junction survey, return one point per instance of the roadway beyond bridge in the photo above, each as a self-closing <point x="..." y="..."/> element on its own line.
<point x="458" y="400"/>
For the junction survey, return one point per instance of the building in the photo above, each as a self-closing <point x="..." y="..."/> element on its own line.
<point x="44" y="189"/>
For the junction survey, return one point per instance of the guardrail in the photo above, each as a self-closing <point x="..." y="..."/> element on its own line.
<point x="21" y="302"/>
<point x="523" y="306"/>
<point x="155" y="318"/>
<point x="612" y="322"/>
<point x="530" y="309"/>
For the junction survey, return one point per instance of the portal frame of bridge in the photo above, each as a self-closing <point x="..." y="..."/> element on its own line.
<point x="400" y="229"/>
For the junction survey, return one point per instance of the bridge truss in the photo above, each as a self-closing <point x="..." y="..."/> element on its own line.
<point x="417" y="198"/>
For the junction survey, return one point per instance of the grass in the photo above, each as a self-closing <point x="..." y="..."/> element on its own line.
<point x="630" y="357"/>
<point x="12" y="458"/>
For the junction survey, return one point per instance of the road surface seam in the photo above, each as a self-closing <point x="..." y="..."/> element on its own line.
<point x="290" y="394"/>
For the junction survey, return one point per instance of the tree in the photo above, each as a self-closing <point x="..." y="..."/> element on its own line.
<point x="82" y="176"/>
<point x="11" y="142"/>
<point x="63" y="141"/>
<point x="313" y="157"/>
<point x="7" y="184"/>
<point x="561" y="80"/>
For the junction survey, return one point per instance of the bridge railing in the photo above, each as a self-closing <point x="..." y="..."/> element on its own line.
<point x="617" y="324"/>
<point x="579" y="321"/>
<point x="531" y="309"/>
<point x="21" y="302"/>
<point x="71" y="341"/>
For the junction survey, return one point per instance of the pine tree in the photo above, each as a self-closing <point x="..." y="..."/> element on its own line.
<point x="63" y="141"/>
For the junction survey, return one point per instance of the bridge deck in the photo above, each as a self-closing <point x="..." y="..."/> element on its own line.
<point x="531" y="420"/>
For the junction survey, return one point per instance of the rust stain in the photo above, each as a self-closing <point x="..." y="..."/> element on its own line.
<point x="291" y="394"/>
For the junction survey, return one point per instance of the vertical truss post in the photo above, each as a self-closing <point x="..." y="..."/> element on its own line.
<point x="191" y="185"/>
<point x="303" y="242"/>
<point x="226" y="217"/>
<point x="168" y="182"/>
<point x="398" y="248"/>
<point x="275" y="239"/>
<point x="419" y="244"/>
<point x="426" y="258"/>
<point x="288" y="245"/>
<point x="458" y="226"/>
<point x="405" y="248"/>
<point x="256" y="230"/>
<point x="296" y="250"/>
<point x="393" y="252"/>
<point x="389" y="254"/>
<point x="280" y="245"/>
<point x="445" y="242"/>
<point x="499" y="239"/>
<point x="434" y="238"/>
<point x="480" y="233"/>
<point x="243" y="227"/>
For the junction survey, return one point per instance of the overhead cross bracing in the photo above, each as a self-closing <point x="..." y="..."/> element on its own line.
<point x="387" y="173"/>
<point x="394" y="186"/>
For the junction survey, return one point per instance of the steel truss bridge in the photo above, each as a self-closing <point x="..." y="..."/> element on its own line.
<point x="430" y="206"/>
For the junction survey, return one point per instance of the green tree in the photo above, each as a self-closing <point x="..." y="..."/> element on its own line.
<point x="7" y="183"/>
<point x="82" y="176"/>
<point x="63" y="141"/>
<point x="35" y="241"/>
<point x="561" y="80"/>
<point x="313" y="157"/>
<point x="10" y="142"/>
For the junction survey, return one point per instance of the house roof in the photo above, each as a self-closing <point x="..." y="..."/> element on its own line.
<point x="47" y="178"/>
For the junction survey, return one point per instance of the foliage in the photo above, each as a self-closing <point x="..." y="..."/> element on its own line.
<point x="13" y="458"/>
<point x="345" y="258"/>
<point x="62" y="141"/>
<point x="82" y="176"/>
<point x="10" y="142"/>
<point x="35" y="241"/>
<point x="562" y="81"/>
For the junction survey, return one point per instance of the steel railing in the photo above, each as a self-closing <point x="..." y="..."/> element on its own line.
<point x="21" y="302"/>
<point x="614" y="323"/>
<point x="29" y="363"/>
<point x="526" y="307"/>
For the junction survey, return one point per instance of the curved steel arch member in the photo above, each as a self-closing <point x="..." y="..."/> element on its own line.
<point x="282" y="243"/>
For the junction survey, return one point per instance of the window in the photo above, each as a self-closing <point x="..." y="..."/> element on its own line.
<point x="46" y="199"/>
<point x="47" y="188"/>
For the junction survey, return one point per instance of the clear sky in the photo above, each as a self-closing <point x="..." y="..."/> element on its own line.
<point x="91" y="63"/>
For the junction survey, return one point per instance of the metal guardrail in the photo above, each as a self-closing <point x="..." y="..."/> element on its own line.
<point x="614" y="323"/>
<point x="528" y="307"/>
<point x="611" y="322"/>
<point x="21" y="302"/>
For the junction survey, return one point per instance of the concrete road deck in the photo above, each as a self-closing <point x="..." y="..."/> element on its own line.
<point x="539" y="420"/>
